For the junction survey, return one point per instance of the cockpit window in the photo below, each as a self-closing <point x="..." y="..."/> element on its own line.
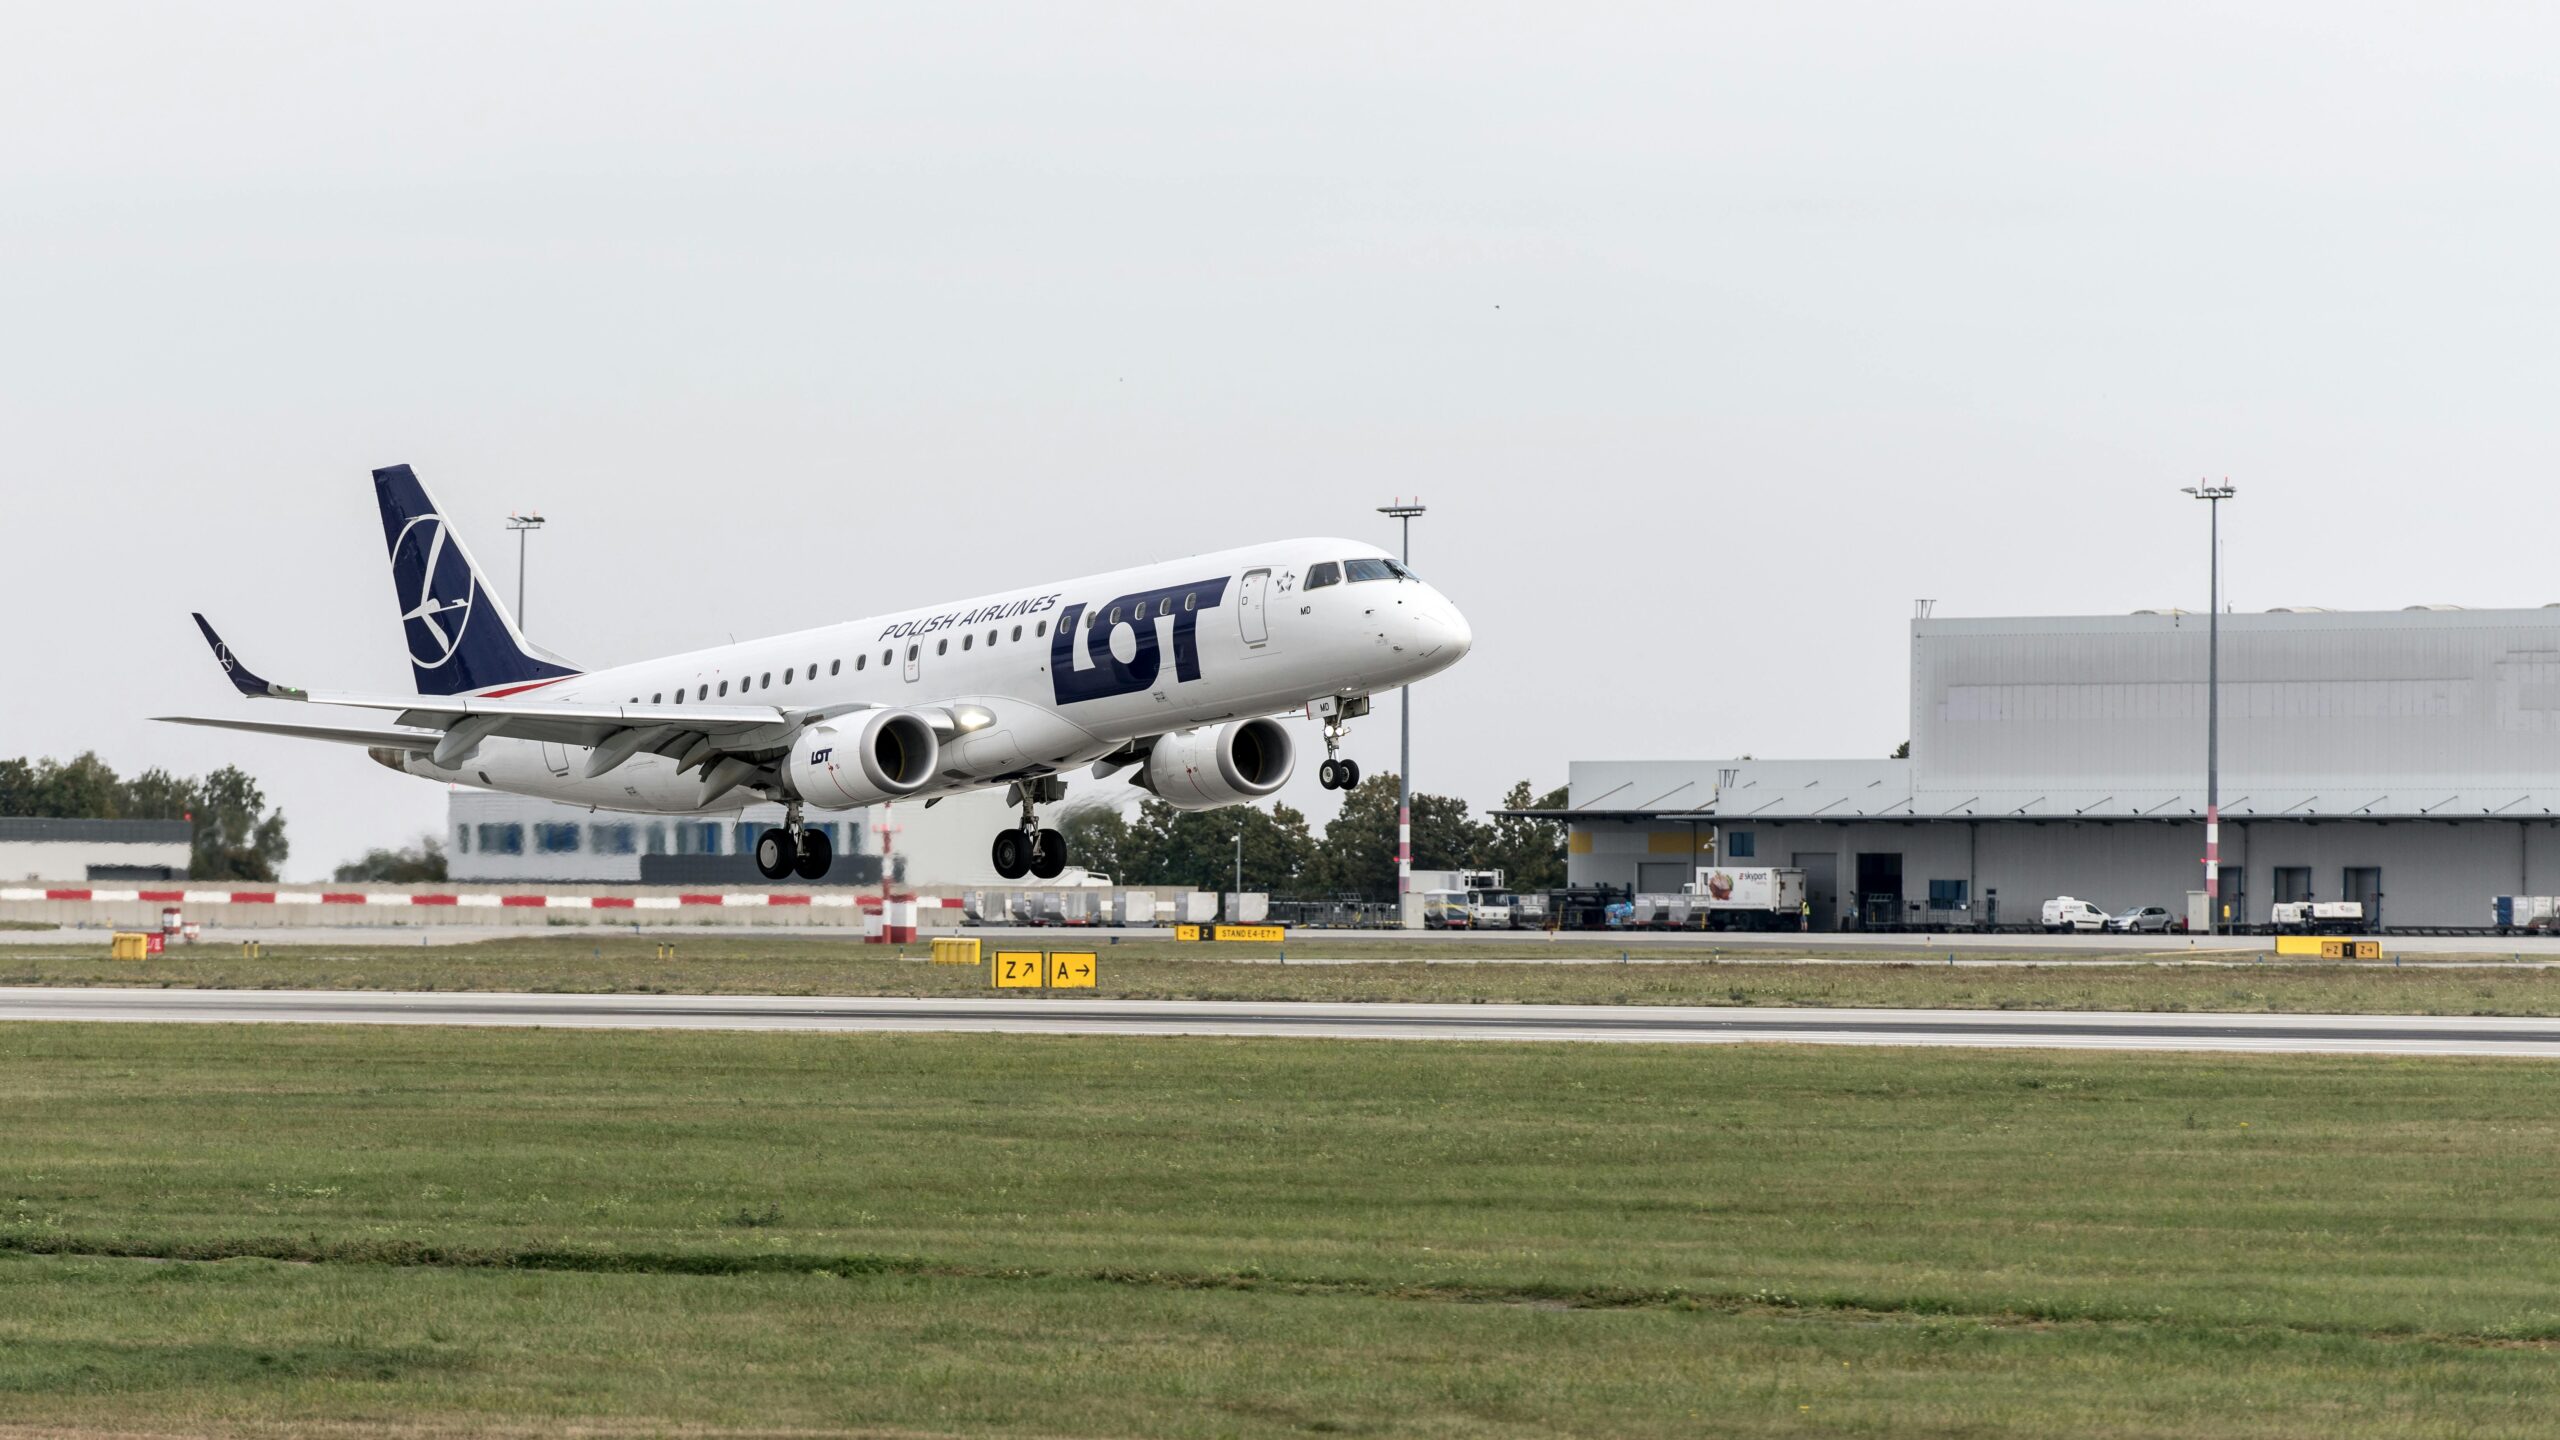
<point x="1319" y="576"/>
<point x="1359" y="570"/>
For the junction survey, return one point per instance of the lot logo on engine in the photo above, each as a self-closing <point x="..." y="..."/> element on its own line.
<point x="1098" y="674"/>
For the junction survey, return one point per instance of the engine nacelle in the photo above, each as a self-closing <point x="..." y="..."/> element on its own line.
<point x="862" y="759"/>
<point x="1221" y="764"/>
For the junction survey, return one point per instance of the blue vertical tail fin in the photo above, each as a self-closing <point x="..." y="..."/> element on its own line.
<point x="461" y="638"/>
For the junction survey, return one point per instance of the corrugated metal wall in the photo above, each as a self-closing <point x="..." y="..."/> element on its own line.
<point x="2366" y="702"/>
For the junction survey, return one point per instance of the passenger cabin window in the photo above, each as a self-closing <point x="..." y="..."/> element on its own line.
<point x="969" y="641"/>
<point x="1359" y="570"/>
<point x="786" y="677"/>
<point x="1115" y="614"/>
<point x="1319" y="576"/>
<point x="912" y="652"/>
<point x="991" y="637"/>
<point x="887" y="656"/>
<point x="1040" y="629"/>
<point x="724" y="687"/>
<point x="942" y="647"/>
<point x="1017" y="632"/>
<point x="658" y="697"/>
<point x="834" y="666"/>
<point x="1190" y="601"/>
<point x="703" y="692"/>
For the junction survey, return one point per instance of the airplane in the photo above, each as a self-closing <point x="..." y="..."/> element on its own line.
<point x="1170" y="673"/>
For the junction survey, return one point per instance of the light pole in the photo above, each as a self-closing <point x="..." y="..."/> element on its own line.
<point x="1402" y="512"/>
<point x="1239" y="871"/>
<point x="523" y="525"/>
<point x="2213" y="496"/>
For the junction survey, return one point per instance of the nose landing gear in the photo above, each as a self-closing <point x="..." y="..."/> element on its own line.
<point x="1337" y="773"/>
<point x="1027" y="849"/>
<point x="794" y="849"/>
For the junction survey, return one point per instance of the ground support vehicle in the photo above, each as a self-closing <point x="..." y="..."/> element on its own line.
<point x="2068" y="914"/>
<point x="2321" y="917"/>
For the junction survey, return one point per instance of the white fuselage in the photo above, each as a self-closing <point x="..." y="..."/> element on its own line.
<point x="1225" y="636"/>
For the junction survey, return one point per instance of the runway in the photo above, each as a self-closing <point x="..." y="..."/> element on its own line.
<point x="1624" y="1024"/>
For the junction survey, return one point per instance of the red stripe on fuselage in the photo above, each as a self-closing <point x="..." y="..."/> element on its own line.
<point x="520" y="689"/>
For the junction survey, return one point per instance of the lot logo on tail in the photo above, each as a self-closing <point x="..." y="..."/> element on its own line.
<point x="435" y="624"/>
<point x="1098" y="673"/>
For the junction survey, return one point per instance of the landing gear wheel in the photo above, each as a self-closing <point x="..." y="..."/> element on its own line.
<point x="1329" y="775"/>
<point x="1012" y="856"/>
<point x="817" y="852"/>
<point x="1350" y="775"/>
<point x="1050" y="860"/>
<point x="775" y="854"/>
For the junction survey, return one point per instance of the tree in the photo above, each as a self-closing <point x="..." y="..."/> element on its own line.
<point x="422" y="863"/>
<point x="1530" y="853"/>
<point x="1098" y="839"/>
<point x="236" y="836"/>
<point x="83" y="789"/>
<point x="1194" y="848"/>
<point x="1901" y="751"/>
<point x="234" y="840"/>
<point x="1359" y="852"/>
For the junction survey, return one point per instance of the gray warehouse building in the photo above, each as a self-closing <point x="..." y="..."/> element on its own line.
<point x="2406" y="759"/>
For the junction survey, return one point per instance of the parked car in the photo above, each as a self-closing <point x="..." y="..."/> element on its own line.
<point x="2067" y="913"/>
<point x="2142" y="918"/>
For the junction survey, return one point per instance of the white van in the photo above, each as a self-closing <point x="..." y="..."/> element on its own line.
<point x="2064" y="913"/>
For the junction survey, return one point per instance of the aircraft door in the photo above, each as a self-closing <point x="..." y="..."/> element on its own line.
<point x="914" y="651"/>
<point x="1253" y="608"/>
<point x="555" y="758"/>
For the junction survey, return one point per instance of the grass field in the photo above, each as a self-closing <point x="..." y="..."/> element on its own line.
<point x="308" y="1230"/>
<point x="1394" y="971"/>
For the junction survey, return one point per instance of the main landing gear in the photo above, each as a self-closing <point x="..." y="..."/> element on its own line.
<point x="794" y="849"/>
<point x="1028" y="849"/>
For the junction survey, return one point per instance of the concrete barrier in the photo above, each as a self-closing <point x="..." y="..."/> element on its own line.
<point x="402" y="906"/>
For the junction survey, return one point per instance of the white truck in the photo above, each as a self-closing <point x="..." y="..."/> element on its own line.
<point x="2317" y="917"/>
<point x="1758" y="897"/>
<point x="2068" y="914"/>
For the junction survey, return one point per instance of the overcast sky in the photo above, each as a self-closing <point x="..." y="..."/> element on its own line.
<point x="1713" y="336"/>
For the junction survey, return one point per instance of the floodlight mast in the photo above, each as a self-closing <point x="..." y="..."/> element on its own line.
<point x="523" y="525"/>
<point x="2213" y="496"/>
<point x="1402" y="512"/>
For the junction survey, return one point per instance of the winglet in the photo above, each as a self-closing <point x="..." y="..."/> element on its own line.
<point x="241" y="679"/>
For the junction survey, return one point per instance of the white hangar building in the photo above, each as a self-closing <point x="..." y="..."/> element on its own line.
<point x="2407" y="759"/>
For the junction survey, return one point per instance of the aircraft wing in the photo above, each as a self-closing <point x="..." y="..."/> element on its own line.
<point x="449" y="726"/>
<point x="419" y="741"/>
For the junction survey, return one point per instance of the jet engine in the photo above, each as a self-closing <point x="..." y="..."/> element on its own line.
<point x="1220" y="764"/>
<point x="862" y="759"/>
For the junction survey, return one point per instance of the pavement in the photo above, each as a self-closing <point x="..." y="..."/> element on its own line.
<point x="2095" y="1030"/>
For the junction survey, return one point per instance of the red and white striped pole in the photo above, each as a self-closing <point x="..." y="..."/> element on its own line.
<point x="1403" y="512"/>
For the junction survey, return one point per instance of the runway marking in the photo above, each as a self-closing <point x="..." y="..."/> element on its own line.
<point x="1648" y="1024"/>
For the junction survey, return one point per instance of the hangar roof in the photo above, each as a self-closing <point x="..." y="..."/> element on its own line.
<point x="2427" y="713"/>
<point x="1729" y="791"/>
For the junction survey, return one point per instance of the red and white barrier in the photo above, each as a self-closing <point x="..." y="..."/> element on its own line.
<point x="474" y="900"/>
